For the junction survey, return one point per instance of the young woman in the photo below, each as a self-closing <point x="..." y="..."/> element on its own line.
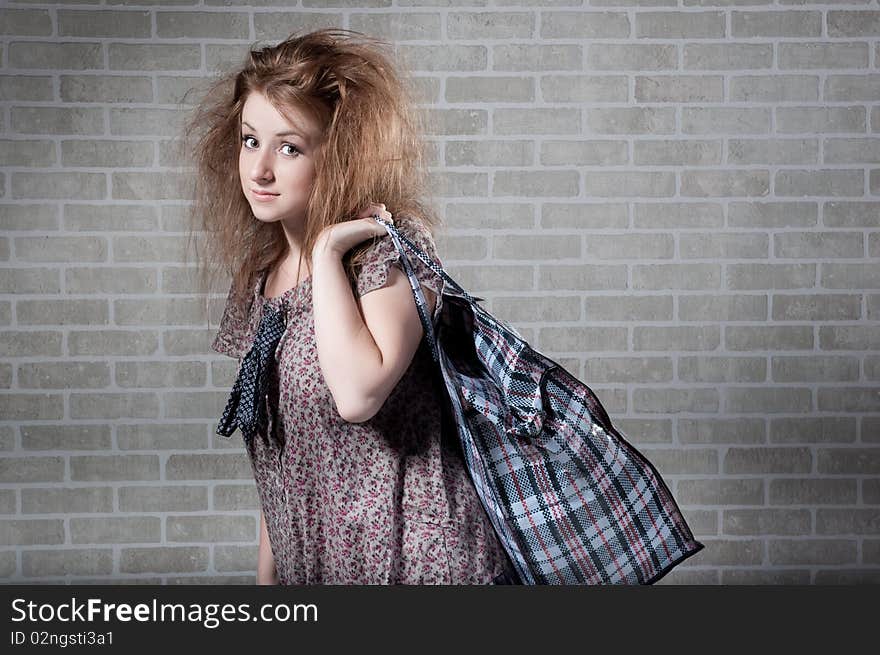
<point x="337" y="396"/>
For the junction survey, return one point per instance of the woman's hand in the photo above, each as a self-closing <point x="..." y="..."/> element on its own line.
<point x="342" y="237"/>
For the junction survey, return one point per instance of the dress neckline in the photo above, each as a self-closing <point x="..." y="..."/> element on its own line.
<point x="283" y="295"/>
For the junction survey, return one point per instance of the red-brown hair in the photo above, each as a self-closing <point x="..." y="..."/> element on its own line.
<point x="370" y="150"/>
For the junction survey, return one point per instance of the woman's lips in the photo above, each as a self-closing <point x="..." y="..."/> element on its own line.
<point x="263" y="196"/>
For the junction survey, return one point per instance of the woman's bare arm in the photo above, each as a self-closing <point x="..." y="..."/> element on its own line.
<point x="266" y="572"/>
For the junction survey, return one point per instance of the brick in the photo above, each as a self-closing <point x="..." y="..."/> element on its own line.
<point x="7" y="564"/>
<point x="59" y="186"/>
<point x="64" y="375"/>
<point x="177" y="498"/>
<point x="679" y="153"/>
<point x="537" y="121"/>
<point x="29" y="532"/>
<point x="160" y="436"/>
<point x="236" y="497"/>
<point x="490" y="153"/>
<point x="581" y="88"/>
<point x="640" y="57"/>
<point x="815" y="368"/>
<point x="108" y="23"/>
<point x="838" y="576"/>
<point x="774" y="88"/>
<point x="848" y="399"/>
<point x="769" y="337"/>
<point x="31" y="153"/>
<point x="31" y="469"/>
<point x="578" y="25"/>
<point x="202" y="25"/>
<point x="853" y="23"/>
<point x="69" y="561"/>
<point x="807" y="307"/>
<point x="235" y="558"/>
<point x="773" y="214"/>
<point x="812" y="491"/>
<point x="724" y="491"/>
<point x="823" y="55"/>
<point x="582" y="339"/>
<point x="583" y="153"/>
<point x="66" y="500"/>
<point x="536" y="57"/>
<point x="636" y="183"/>
<point x="115" y="529"/>
<point x="94" y="152"/>
<point x="631" y="120"/>
<point x="275" y="25"/>
<point x="813" y="429"/>
<point x="787" y="23"/>
<point x="165" y="559"/>
<point x="211" y="528"/>
<point x="443" y="57"/>
<point x="765" y="577"/>
<point x="208" y="467"/>
<point x="834" y="521"/>
<point x="25" y="22"/>
<point x="667" y="400"/>
<point x="680" y="25"/>
<point x="728" y="552"/>
<point x="53" y="56"/>
<point x="26" y="87"/>
<point x="114" y="405"/>
<point x="535" y="247"/>
<point x="733" y="56"/>
<point x="608" y="308"/>
<point x="767" y="399"/>
<point x="109" y="343"/>
<point x="850" y="88"/>
<point x="712" y="183"/>
<point x="849" y="461"/>
<point x="766" y="521"/>
<point x="683" y="337"/>
<point x="114" y="467"/>
<point x="721" y="431"/>
<point x="812" y="551"/>
<point x="489" y="89"/>
<point x="687" y="461"/>
<point x="153" y="57"/>
<point x="30" y="343"/>
<point x="773" y="151"/>
<point x="722" y="308"/>
<point x="676" y="276"/>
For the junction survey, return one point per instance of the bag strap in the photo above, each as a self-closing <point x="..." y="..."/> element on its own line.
<point x="421" y="303"/>
<point x="430" y="263"/>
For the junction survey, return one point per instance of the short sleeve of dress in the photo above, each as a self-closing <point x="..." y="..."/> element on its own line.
<point x="232" y="333"/>
<point x="383" y="254"/>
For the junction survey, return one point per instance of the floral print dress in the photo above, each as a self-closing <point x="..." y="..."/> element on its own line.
<point x="386" y="501"/>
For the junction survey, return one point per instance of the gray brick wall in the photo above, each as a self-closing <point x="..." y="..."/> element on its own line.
<point x="678" y="200"/>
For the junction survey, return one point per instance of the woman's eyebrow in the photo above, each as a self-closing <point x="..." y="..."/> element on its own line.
<point x="288" y="133"/>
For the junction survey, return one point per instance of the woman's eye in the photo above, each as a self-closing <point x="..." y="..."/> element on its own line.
<point x="246" y="138"/>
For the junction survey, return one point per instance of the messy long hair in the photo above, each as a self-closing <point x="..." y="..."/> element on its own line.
<point x="370" y="150"/>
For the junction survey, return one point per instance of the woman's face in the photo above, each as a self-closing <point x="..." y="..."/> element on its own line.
<point x="277" y="157"/>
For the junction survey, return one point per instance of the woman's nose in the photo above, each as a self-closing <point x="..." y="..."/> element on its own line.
<point x="261" y="170"/>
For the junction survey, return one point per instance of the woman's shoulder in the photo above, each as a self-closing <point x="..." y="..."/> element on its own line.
<point x="235" y="322"/>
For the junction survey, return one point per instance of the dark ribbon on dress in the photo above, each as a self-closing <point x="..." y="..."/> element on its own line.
<point x="246" y="407"/>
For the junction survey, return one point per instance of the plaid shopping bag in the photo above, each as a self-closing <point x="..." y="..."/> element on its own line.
<point x="570" y="499"/>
